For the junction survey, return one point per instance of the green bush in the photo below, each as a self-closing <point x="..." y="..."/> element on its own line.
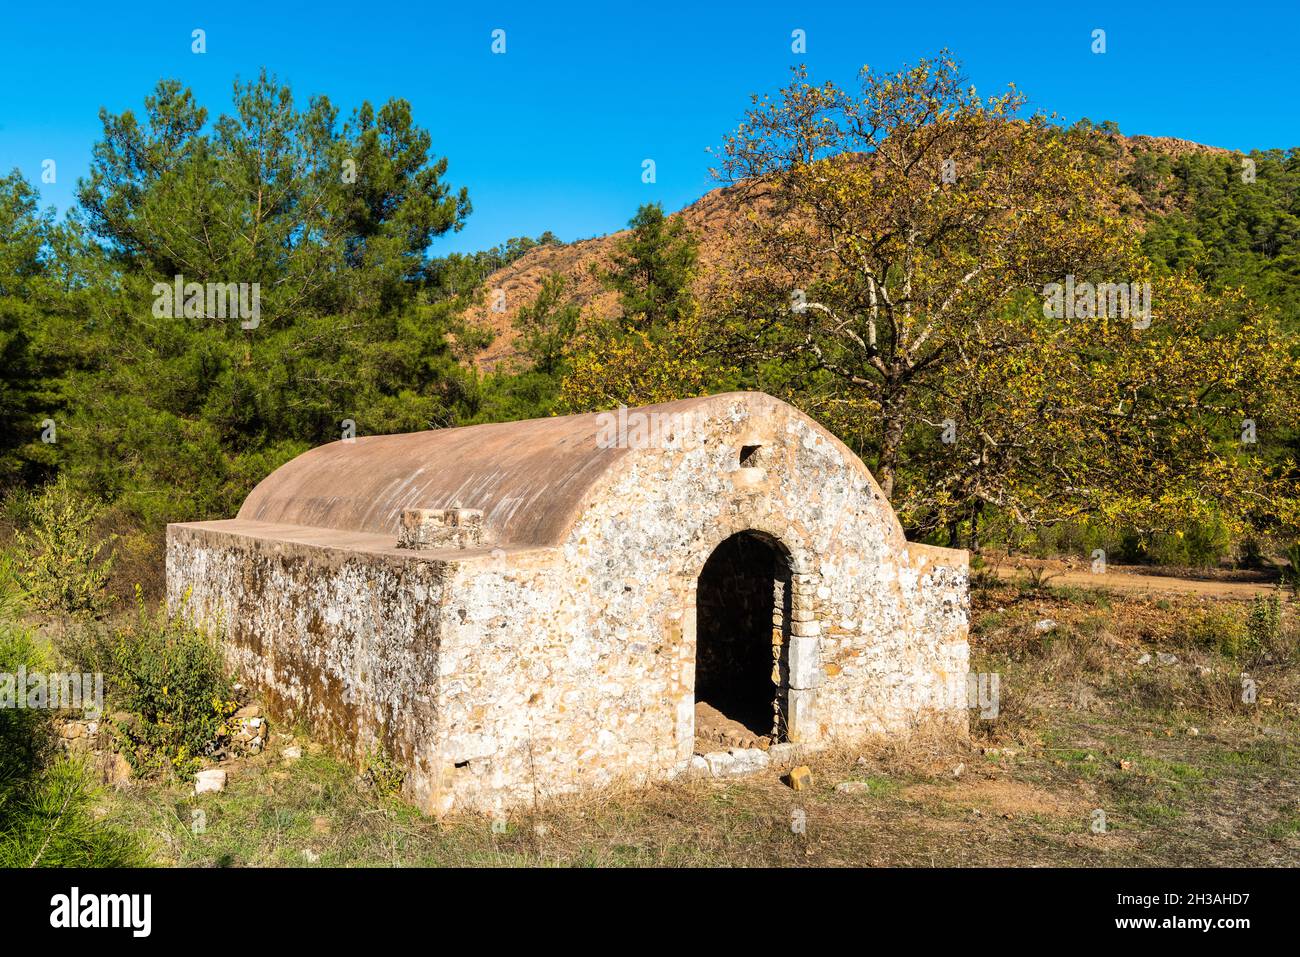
<point x="170" y="679"/>
<point x="1291" y="574"/>
<point x="26" y="739"/>
<point x="1264" y="627"/>
<point x="1250" y="637"/>
<point x="51" y="823"/>
<point x="46" y="800"/>
<point x="59" y="565"/>
<point x="1221" y="629"/>
<point x="385" y="775"/>
<point x="1203" y="544"/>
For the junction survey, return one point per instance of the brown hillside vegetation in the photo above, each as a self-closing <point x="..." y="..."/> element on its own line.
<point x="715" y="218"/>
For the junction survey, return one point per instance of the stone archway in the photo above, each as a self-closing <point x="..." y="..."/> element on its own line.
<point x="742" y="638"/>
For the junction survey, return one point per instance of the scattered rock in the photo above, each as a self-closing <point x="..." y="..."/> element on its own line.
<point x="801" y="778"/>
<point x="310" y="856"/>
<point x="748" y="760"/>
<point x="211" y="781"/>
<point x="1145" y="659"/>
<point x="1165" y="658"/>
<point x="248" y="711"/>
<point x="1192" y="732"/>
<point x="853" y="787"/>
<point x="292" y="753"/>
<point x="784" y="753"/>
<point x="735" y="761"/>
<point x="1043" y="626"/>
<point x="957" y="771"/>
<point x="719" y="762"/>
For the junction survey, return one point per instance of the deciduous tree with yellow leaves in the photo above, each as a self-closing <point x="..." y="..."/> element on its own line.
<point x="901" y="242"/>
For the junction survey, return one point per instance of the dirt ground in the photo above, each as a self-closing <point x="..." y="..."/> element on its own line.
<point x="1141" y="579"/>
<point x="714" y="731"/>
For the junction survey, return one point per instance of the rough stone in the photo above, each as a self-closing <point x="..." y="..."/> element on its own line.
<point x="748" y="760"/>
<point x="784" y="753"/>
<point x="801" y="778"/>
<point x="551" y="641"/>
<point x="210" y="781"/>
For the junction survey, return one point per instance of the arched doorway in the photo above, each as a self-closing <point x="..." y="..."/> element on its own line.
<point x="742" y="642"/>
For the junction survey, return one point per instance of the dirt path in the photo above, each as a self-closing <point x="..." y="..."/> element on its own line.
<point x="1123" y="579"/>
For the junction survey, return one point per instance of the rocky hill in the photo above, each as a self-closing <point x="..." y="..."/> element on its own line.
<point x="714" y="218"/>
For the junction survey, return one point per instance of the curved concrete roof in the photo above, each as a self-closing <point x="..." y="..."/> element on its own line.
<point x="529" y="478"/>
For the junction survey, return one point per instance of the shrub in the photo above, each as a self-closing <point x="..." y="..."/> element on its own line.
<point x="1264" y="626"/>
<point x="171" y="680"/>
<point x="1291" y="574"/>
<point x="1257" y="635"/>
<point x="26" y="739"/>
<point x="1221" y="629"/>
<point x="60" y="568"/>
<point x="51" y="823"/>
<point x="46" y="800"/>
<point x="385" y="775"/>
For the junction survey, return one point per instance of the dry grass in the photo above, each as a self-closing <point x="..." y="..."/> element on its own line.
<point x="1184" y="772"/>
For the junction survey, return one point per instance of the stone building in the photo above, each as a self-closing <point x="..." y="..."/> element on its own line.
<point x="519" y="610"/>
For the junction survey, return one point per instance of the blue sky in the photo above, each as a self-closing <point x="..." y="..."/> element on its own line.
<point x="552" y="134"/>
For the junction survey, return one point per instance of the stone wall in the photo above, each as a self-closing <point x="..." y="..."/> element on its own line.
<point x="342" y="642"/>
<point x="508" y="675"/>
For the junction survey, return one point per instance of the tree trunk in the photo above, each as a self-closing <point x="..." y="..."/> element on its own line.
<point x="891" y="441"/>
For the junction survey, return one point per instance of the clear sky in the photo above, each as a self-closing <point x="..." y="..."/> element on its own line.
<point x="552" y="134"/>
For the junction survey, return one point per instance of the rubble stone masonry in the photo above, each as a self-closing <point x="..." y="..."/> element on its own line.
<point x="554" y="648"/>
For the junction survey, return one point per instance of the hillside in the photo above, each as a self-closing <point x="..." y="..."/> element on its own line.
<point x="714" y="218"/>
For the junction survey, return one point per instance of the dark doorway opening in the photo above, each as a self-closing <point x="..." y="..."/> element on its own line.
<point x="742" y="636"/>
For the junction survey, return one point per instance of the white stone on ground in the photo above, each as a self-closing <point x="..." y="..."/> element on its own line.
<point x="211" y="781"/>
